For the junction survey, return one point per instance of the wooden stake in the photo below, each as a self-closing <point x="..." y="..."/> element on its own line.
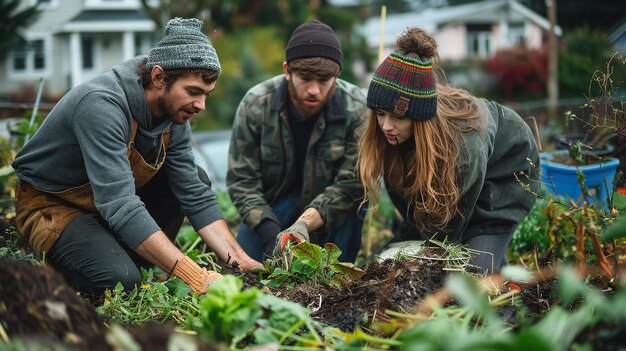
<point x="381" y="43"/>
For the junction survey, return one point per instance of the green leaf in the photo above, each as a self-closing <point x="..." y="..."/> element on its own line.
<point x="288" y="308"/>
<point x="226" y="312"/>
<point x="227" y="286"/>
<point x="277" y="277"/>
<point x="161" y="288"/>
<point x="468" y="293"/>
<point x="559" y="327"/>
<point x="570" y="286"/>
<point x="332" y="252"/>
<point x="348" y="269"/>
<point x="614" y="230"/>
<point x="146" y="274"/>
<point x="178" y="287"/>
<point x="263" y="336"/>
<point x="619" y="201"/>
<point x="310" y="254"/>
<point x="118" y="288"/>
<point x="186" y="236"/>
<point x="303" y="270"/>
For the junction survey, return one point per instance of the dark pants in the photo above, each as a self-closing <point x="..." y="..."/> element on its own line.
<point x="494" y="247"/>
<point x="92" y="257"/>
<point x="347" y="236"/>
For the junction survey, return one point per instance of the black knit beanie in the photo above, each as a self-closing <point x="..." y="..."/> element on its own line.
<point x="314" y="39"/>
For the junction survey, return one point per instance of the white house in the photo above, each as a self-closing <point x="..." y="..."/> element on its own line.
<point x="74" y="40"/>
<point x="472" y="30"/>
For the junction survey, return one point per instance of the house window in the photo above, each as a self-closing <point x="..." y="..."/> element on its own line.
<point x="479" y="40"/>
<point x="29" y="58"/>
<point x="88" y="52"/>
<point x="516" y="33"/>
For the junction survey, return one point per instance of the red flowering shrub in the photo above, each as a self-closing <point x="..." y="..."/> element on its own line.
<point x="520" y="72"/>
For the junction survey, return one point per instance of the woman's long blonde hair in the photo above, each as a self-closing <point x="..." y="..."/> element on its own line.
<point x="427" y="177"/>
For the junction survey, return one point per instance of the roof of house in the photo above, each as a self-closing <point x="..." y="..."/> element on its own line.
<point x="109" y="20"/>
<point x="618" y="36"/>
<point x="431" y="19"/>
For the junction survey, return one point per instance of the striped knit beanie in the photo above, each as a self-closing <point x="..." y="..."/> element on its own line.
<point x="184" y="46"/>
<point x="404" y="84"/>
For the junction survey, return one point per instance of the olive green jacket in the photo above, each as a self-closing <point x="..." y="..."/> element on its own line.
<point x="261" y="155"/>
<point x="499" y="177"/>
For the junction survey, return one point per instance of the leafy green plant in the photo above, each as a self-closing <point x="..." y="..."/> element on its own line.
<point x="12" y="246"/>
<point x="152" y="301"/>
<point x="23" y="129"/>
<point x="307" y="262"/>
<point x="530" y="234"/>
<point x="251" y="317"/>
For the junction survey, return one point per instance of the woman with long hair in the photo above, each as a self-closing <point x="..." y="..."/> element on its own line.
<point x="457" y="167"/>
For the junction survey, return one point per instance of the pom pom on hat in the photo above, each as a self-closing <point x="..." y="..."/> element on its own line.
<point x="404" y="84"/>
<point x="184" y="46"/>
<point x="314" y="39"/>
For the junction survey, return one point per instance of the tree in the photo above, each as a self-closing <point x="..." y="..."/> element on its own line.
<point x="12" y="22"/>
<point x="602" y="15"/>
<point x="164" y="10"/>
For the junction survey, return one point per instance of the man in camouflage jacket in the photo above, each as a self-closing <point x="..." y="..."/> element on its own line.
<point x="293" y="152"/>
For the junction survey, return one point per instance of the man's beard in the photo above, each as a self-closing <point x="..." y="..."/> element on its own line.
<point x="165" y="113"/>
<point x="308" y="111"/>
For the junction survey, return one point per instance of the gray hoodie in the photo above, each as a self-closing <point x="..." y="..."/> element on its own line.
<point x="85" y="139"/>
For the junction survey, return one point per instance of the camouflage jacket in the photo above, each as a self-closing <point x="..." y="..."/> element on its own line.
<point x="261" y="155"/>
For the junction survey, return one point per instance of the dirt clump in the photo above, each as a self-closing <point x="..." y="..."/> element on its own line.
<point x="39" y="311"/>
<point x="36" y="300"/>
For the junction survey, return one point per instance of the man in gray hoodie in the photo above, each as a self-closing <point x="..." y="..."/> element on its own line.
<point x="104" y="184"/>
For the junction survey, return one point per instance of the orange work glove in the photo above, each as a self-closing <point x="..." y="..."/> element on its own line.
<point x="196" y="277"/>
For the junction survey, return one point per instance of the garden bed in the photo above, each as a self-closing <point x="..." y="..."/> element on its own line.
<point x="387" y="302"/>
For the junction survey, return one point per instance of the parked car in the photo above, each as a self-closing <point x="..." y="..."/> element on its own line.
<point x="210" y="149"/>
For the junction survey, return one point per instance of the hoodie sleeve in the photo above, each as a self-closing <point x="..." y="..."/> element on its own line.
<point x="104" y="151"/>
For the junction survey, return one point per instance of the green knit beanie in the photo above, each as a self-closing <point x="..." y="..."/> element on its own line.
<point x="184" y="46"/>
<point x="404" y="84"/>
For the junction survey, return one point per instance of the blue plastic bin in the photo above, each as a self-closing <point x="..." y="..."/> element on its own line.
<point x="562" y="180"/>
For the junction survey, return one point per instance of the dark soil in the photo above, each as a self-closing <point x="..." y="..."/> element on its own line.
<point x="38" y="310"/>
<point x="397" y="285"/>
<point x="36" y="305"/>
<point x="37" y="301"/>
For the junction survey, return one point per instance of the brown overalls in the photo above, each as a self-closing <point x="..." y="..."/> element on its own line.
<point x="41" y="216"/>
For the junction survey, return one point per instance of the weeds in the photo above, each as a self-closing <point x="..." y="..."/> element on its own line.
<point x="152" y="301"/>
